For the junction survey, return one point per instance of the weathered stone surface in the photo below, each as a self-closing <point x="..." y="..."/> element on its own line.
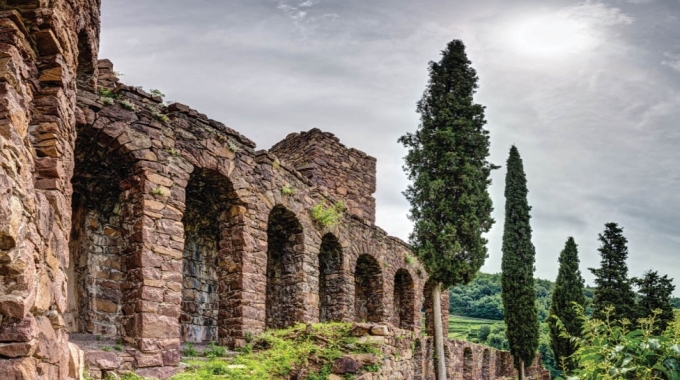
<point x="76" y="362"/>
<point x="158" y="372"/>
<point x="101" y="360"/>
<point x="345" y="365"/>
<point x="380" y="330"/>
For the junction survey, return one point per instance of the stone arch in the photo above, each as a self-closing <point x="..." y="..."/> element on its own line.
<point x="86" y="75"/>
<point x="404" y="300"/>
<point x="99" y="238"/>
<point x="428" y="307"/>
<point x="208" y="230"/>
<point x="332" y="289"/>
<point x="368" y="290"/>
<point x="468" y="363"/>
<point x="486" y="364"/>
<point x="285" y="255"/>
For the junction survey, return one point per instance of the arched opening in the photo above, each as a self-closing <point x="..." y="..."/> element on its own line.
<point x="404" y="300"/>
<point x="87" y="61"/>
<point x="428" y="307"/>
<point x="96" y="271"/>
<point x="209" y="196"/>
<point x="486" y="365"/>
<point x="284" y="261"/>
<point x="467" y="364"/>
<point x="368" y="290"/>
<point x="332" y="293"/>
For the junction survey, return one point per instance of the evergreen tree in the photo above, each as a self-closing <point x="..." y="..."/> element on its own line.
<point x="447" y="162"/>
<point x="517" y="277"/>
<point x="613" y="288"/>
<point x="568" y="290"/>
<point x="655" y="293"/>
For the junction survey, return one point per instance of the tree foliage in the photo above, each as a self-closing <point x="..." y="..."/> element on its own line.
<point x="568" y="291"/>
<point x="481" y="298"/>
<point x="608" y="350"/>
<point x="447" y="164"/>
<point x="655" y="293"/>
<point x="519" y="256"/>
<point x="613" y="287"/>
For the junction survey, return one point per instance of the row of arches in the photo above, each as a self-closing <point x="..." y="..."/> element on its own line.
<point x="212" y="260"/>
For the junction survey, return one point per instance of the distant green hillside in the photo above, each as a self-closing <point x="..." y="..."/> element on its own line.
<point x="482" y="298"/>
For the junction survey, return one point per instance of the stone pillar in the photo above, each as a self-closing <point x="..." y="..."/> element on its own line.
<point x="230" y="263"/>
<point x="152" y="291"/>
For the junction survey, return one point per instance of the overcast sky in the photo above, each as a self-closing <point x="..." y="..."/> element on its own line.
<point x="588" y="91"/>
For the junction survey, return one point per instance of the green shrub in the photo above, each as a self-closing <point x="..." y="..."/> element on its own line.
<point x="106" y="348"/>
<point x="327" y="216"/>
<point x="288" y="190"/>
<point x="159" y="191"/>
<point x="156" y="92"/>
<point x="189" y="350"/>
<point x="608" y="350"/>
<point x="233" y="147"/>
<point x="107" y="93"/>
<point x="128" y="105"/>
<point x="118" y="347"/>
<point x="215" y="351"/>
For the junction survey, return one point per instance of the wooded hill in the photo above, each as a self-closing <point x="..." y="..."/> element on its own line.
<point x="481" y="298"/>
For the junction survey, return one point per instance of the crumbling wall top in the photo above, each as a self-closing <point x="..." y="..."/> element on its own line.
<point x="343" y="173"/>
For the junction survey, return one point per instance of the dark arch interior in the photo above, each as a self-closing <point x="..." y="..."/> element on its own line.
<point x="284" y="260"/>
<point x="86" y="62"/>
<point x="209" y="195"/>
<point x="332" y="292"/>
<point x="404" y="300"/>
<point x="96" y="271"/>
<point x="467" y="364"/>
<point x="368" y="290"/>
<point x="486" y="364"/>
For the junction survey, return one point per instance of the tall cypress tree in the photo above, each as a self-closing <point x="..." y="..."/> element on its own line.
<point x="613" y="287"/>
<point x="655" y="293"/>
<point x="517" y="277"/>
<point x="447" y="162"/>
<point x="567" y="291"/>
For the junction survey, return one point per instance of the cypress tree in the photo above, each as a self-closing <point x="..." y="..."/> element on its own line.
<point x="447" y="163"/>
<point x="517" y="277"/>
<point x="568" y="290"/>
<point x="655" y="293"/>
<point x="613" y="287"/>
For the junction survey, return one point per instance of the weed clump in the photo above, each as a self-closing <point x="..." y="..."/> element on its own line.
<point x="328" y="216"/>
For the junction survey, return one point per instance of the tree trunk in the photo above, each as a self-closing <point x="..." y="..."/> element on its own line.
<point x="521" y="369"/>
<point x="438" y="331"/>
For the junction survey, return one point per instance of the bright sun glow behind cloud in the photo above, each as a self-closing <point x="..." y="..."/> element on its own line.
<point x="560" y="34"/>
<point x="549" y="36"/>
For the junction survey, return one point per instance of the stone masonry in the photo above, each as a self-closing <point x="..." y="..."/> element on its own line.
<point x="125" y="219"/>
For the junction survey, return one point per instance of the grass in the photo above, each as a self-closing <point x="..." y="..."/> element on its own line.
<point x="279" y="353"/>
<point x="466" y="328"/>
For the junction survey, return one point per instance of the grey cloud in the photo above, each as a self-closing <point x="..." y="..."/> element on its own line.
<point x="596" y="122"/>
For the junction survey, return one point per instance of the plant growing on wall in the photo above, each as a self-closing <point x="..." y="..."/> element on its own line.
<point x="447" y="162"/>
<point x="288" y="190"/>
<point x="327" y="216"/>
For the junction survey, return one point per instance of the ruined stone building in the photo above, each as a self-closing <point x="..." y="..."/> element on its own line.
<point x="156" y="225"/>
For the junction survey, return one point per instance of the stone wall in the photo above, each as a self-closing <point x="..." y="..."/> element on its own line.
<point x="343" y="173"/>
<point x="46" y="47"/>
